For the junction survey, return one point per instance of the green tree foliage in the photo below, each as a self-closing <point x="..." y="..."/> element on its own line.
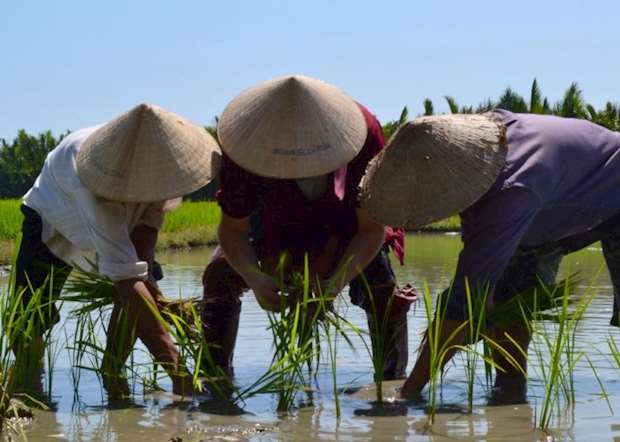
<point x="428" y="107"/>
<point x="21" y="160"/>
<point x="452" y="104"/>
<point x="512" y="101"/>
<point x="573" y="105"/>
<point x="392" y="126"/>
<point x="208" y="192"/>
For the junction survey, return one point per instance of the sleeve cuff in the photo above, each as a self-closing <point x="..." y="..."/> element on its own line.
<point x="120" y="271"/>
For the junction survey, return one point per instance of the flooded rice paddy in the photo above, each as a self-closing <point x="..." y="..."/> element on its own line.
<point x="430" y="258"/>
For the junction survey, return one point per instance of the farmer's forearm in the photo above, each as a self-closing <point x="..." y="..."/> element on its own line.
<point x="361" y="250"/>
<point x="238" y="250"/>
<point x="134" y="296"/>
<point x="452" y="333"/>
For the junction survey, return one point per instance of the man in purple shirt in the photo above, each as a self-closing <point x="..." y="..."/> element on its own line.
<point x="558" y="191"/>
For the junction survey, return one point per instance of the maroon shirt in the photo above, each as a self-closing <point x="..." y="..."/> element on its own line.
<point x="293" y="223"/>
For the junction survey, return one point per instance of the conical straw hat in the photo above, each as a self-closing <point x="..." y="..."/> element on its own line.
<point x="147" y="154"/>
<point x="292" y="127"/>
<point x="434" y="167"/>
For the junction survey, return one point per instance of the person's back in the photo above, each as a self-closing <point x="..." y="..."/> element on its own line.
<point x="571" y="167"/>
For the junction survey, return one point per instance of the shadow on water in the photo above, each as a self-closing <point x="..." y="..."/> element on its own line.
<point x="221" y="407"/>
<point x="378" y="409"/>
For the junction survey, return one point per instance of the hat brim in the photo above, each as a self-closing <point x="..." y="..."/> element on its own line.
<point x="434" y="167"/>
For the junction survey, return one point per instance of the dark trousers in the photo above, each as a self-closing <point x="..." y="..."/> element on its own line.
<point x="37" y="268"/>
<point x="534" y="263"/>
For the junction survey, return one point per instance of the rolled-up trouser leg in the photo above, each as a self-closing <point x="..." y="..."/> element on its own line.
<point x="527" y="268"/>
<point x="221" y="309"/>
<point x="373" y="291"/>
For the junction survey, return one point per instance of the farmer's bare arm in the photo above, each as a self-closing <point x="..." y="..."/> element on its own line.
<point x="362" y="248"/>
<point x="452" y="333"/>
<point x="138" y="301"/>
<point x="234" y="238"/>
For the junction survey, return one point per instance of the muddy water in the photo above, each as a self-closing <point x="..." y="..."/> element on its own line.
<point x="430" y="258"/>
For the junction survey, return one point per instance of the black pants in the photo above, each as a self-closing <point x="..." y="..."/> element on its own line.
<point x="37" y="268"/>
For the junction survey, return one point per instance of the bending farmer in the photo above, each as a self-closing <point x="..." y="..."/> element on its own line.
<point x="101" y="198"/>
<point x="529" y="189"/>
<point x="295" y="149"/>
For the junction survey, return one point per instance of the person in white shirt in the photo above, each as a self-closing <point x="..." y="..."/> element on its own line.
<point x="101" y="199"/>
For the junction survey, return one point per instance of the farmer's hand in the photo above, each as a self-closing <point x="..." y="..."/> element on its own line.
<point x="266" y="293"/>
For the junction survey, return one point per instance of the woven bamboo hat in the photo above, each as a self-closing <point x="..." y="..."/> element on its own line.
<point x="434" y="167"/>
<point x="292" y="127"/>
<point x="147" y="154"/>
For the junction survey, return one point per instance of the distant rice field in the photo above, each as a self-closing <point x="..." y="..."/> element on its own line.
<point x="10" y="218"/>
<point x="192" y="214"/>
<point x="191" y="225"/>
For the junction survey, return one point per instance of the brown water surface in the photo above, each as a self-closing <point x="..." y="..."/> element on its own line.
<point x="430" y="259"/>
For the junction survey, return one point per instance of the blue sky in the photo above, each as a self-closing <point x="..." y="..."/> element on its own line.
<point x="71" y="64"/>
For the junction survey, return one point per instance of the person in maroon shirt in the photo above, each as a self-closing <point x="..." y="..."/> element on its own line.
<point x="295" y="150"/>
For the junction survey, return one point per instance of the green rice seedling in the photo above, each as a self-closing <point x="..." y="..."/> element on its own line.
<point x="555" y="348"/>
<point x="614" y="350"/>
<point x="438" y="350"/>
<point x="332" y="346"/>
<point x="121" y="336"/>
<point x="380" y="342"/>
<point x="185" y="327"/>
<point x="603" y="392"/>
<point x="18" y="322"/>
<point x="52" y="352"/>
<point x="296" y="332"/>
<point x="180" y="318"/>
<point x="476" y="313"/>
<point x="475" y="327"/>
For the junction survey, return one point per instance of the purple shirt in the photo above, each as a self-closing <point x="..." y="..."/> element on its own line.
<point x="562" y="177"/>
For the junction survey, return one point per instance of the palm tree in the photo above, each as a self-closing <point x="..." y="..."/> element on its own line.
<point x="486" y="106"/>
<point x="391" y="126"/>
<point x="536" y="100"/>
<point x="452" y="104"/>
<point x="512" y="101"/>
<point x="428" y="107"/>
<point x="573" y="105"/>
<point x="213" y="129"/>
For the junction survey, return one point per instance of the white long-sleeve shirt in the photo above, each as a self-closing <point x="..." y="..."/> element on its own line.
<point x="80" y="227"/>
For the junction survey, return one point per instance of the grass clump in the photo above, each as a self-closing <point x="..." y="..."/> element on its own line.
<point x="20" y="318"/>
<point x="556" y="318"/>
<point x="306" y="322"/>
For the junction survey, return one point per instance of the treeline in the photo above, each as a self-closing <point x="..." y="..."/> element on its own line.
<point x="572" y="105"/>
<point x="22" y="159"/>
